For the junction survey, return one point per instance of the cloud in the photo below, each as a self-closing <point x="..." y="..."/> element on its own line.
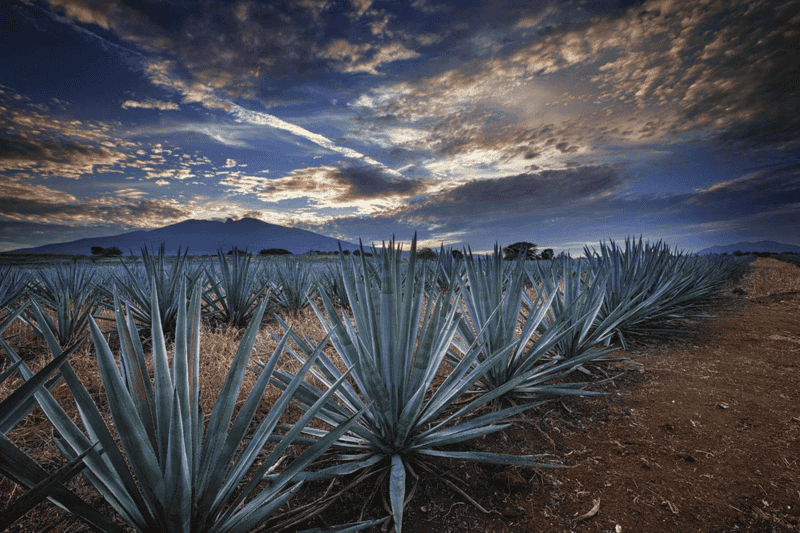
<point x="541" y="192"/>
<point x="589" y="204"/>
<point x="363" y="188"/>
<point x="16" y="195"/>
<point x="62" y="158"/>
<point x="365" y="57"/>
<point x="602" y="86"/>
<point x="761" y="190"/>
<point x="150" y="104"/>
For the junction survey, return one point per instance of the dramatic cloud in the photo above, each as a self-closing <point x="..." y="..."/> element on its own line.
<point x="366" y="189"/>
<point x="469" y="121"/>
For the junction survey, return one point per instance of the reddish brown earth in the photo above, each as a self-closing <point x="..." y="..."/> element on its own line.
<point x="701" y="433"/>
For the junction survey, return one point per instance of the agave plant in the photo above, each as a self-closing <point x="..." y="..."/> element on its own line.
<point x="235" y="290"/>
<point x="580" y="293"/>
<point x="70" y="292"/>
<point x="177" y="475"/>
<point x="134" y="286"/>
<point x="294" y="282"/>
<point x="648" y="286"/>
<point x="12" y="286"/>
<point x="21" y="468"/>
<point x="501" y="313"/>
<point x="332" y="282"/>
<point x="450" y="266"/>
<point x="397" y="344"/>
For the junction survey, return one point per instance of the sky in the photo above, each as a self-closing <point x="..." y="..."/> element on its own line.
<point x="561" y="123"/>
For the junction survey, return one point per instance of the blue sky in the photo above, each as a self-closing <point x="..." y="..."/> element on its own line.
<point x="558" y="123"/>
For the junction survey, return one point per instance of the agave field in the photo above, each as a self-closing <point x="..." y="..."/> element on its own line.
<point x="408" y="364"/>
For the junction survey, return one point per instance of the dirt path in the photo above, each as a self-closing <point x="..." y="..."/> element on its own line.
<point x="704" y="437"/>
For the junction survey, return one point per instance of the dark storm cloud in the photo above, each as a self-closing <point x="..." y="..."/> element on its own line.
<point x="56" y="157"/>
<point x="761" y="190"/>
<point x="45" y="206"/>
<point x="722" y="64"/>
<point x="655" y="71"/>
<point x="543" y="191"/>
<point x="255" y="49"/>
<point x="370" y="182"/>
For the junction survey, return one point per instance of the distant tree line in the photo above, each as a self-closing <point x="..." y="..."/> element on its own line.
<point x="106" y="252"/>
<point x="510" y="253"/>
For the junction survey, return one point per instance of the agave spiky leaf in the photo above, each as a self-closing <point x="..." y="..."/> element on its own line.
<point x="332" y="282"/>
<point x="70" y="292"/>
<point x="580" y="293"/>
<point x="12" y="286"/>
<point x="397" y="344"/>
<point x="22" y="469"/>
<point x="175" y="475"/>
<point x="294" y="282"/>
<point x="235" y="288"/>
<point x="167" y="274"/>
<point x="501" y="313"/>
<point x="649" y="286"/>
<point x="451" y="266"/>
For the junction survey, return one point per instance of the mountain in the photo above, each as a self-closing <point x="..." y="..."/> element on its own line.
<point x="760" y="246"/>
<point x="203" y="237"/>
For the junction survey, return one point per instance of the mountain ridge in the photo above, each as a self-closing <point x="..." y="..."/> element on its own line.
<point x="202" y="237"/>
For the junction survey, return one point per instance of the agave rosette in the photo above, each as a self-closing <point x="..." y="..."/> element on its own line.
<point x="166" y="275"/>
<point x="397" y="345"/>
<point x="70" y="292"/>
<point x="580" y="293"/>
<point x="235" y="288"/>
<point x="294" y="281"/>
<point x="648" y="286"/>
<point x="21" y="468"/>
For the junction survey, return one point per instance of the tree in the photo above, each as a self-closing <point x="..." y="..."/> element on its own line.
<point x="513" y="251"/>
<point x="457" y="254"/>
<point x="546" y="254"/>
<point x="426" y="254"/>
<point x="106" y="252"/>
<point x="274" y="251"/>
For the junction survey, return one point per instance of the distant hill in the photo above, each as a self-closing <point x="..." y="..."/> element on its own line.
<point x="203" y="237"/>
<point x="760" y="246"/>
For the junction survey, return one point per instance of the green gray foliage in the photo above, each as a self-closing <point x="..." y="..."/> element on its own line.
<point x="500" y="314"/>
<point x="21" y="468"/>
<point x="580" y="294"/>
<point x="397" y="344"/>
<point x="12" y="286"/>
<point x="163" y="273"/>
<point x="69" y="291"/>
<point x="236" y="288"/>
<point x="175" y="474"/>
<point x="650" y="289"/>
<point x="293" y="282"/>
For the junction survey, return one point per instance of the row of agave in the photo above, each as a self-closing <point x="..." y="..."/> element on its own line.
<point x="388" y="412"/>
<point x="232" y="288"/>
